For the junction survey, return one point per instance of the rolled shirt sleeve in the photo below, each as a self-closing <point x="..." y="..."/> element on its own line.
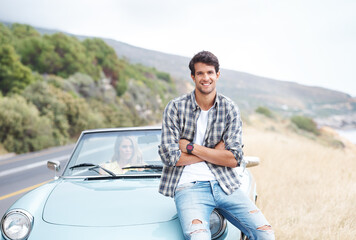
<point x="232" y="134"/>
<point x="169" y="147"/>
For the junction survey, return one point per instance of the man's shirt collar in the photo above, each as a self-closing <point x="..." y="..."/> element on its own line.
<point x="195" y="105"/>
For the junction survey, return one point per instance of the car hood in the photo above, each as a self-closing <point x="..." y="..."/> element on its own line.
<point x="107" y="203"/>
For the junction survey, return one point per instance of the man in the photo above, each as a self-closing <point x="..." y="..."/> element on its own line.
<point x="201" y="144"/>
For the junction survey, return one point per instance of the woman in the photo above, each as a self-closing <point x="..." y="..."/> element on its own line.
<point x="126" y="153"/>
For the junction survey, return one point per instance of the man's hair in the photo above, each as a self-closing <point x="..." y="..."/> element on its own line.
<point x="204" y="57"/>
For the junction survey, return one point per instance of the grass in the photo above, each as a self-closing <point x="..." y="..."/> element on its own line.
<point x="306" y="189"/>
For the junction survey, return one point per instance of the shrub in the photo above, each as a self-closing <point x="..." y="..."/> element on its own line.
<point x="42" y="95"/>
<point x="84" y="85"/>
<point x="121" y="87"/>
<point x="114" y="115"/>
<point x="264" y="111"/>
<point x="306" y="124"/>
<point x="21" y="31"/>
<point x="104" y="56"/>
<point x="5" y="35"/>
<point x="164" y="76"/>
<point x="14" y="76"/>
<point x="22" y="129"/>
<point x="78" y="112"/>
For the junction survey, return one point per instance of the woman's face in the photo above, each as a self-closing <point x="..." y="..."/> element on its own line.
<point x="126" y="149"/>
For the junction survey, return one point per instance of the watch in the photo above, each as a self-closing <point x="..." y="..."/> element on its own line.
<point x="190" y="147"/>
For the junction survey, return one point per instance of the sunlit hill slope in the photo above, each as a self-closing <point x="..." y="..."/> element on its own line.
<point x="248" y="90"/>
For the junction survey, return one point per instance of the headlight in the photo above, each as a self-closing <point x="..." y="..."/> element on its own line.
<point x="217" y="224"/>
<point x="16" y="224"/>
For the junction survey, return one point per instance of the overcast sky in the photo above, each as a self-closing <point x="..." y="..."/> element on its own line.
<point x="312" y="42"/>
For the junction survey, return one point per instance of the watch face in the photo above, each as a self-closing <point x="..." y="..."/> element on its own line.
<point x="189" y="147"/>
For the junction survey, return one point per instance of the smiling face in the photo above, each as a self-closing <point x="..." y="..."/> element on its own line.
<point x="205" y="78"/>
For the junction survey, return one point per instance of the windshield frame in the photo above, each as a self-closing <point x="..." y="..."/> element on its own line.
<point x="79" y="145"/>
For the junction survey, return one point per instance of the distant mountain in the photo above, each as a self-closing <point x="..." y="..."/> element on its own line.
<point x="248" y="90"/>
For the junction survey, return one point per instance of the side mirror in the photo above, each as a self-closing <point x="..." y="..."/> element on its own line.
<point x="55" y="166"/>
<point x="248" y="161"/>
<point x="251" y="161"/>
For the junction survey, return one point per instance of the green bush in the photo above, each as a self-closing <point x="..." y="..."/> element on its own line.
<point x="5" y="35"/>
<point x="22" y="129"/>
<point x="121" y="87"/>
<point x="104" y="56"/>
<point x="306" y="124"/>
<point x="264" y="111"/>
<point x="56" y="54"/>
<point x="39" y="55"/>
<point x="21" y="31"/>
<point x="78" y="113"/>
<point x="43" y="96"/>
<point x="114" y="115"/>
<point x="164" y="76"/>
<point x="14" y="76"/>
<point x="84" y="85"/>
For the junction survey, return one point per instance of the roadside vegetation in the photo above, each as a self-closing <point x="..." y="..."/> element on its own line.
<point x="54" y="86"/>
<point x="306" y="124"/>
<point x="264" y="111"/>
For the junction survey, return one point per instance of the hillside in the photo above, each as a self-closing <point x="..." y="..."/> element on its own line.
<point x="53" y="86"/>
<point x="286" y="96"/>
<point x="248" y="90"/>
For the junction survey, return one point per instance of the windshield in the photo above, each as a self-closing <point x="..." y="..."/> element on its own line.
<point x="116" y="152"/>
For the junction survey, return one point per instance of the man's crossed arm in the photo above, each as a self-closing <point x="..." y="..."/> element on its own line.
<point x="218" y="155"/>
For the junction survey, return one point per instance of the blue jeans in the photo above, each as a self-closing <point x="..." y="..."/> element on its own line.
<point x="197" y="200"/>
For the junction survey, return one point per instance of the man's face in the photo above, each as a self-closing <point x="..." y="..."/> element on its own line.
<point x="205" y="78"/>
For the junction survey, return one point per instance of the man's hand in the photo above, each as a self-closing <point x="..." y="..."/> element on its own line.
<point x="183" y="145"/>
<point x="217" y="155"/>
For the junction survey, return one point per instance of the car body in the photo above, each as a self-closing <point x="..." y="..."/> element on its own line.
<point x="88" y="202"/>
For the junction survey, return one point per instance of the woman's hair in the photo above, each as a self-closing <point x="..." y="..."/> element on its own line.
<point x="204" y="57"/>
<point x="136" y="157"/>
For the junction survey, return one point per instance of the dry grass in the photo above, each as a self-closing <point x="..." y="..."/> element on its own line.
<point x="307" y="190"/>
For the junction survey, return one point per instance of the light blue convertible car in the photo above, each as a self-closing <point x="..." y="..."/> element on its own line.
<point x="109" y="190"/>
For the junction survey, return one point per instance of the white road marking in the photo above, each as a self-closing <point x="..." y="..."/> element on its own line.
<point x="31" y="166"/>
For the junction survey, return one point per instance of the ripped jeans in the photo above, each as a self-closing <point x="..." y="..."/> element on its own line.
<point x="196" y="201"/>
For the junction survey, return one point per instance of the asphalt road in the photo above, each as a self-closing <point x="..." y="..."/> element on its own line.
<point x="22" y="173"/>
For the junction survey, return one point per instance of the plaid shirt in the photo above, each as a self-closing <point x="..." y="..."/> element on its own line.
<point x="179" y="121"/>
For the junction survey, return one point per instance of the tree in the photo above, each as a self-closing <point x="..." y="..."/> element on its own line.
<point x="105" y="57"/>
<point x="22" y="129"/>
<point x="14" y="76"/>
<point x="39" y="54"/>
<point x="71" y="55"/>
<point x="43" y="96"/>
<point x="78" y="113"/>
<point x="21" y="31"/>
<point x="5" y="35"/>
